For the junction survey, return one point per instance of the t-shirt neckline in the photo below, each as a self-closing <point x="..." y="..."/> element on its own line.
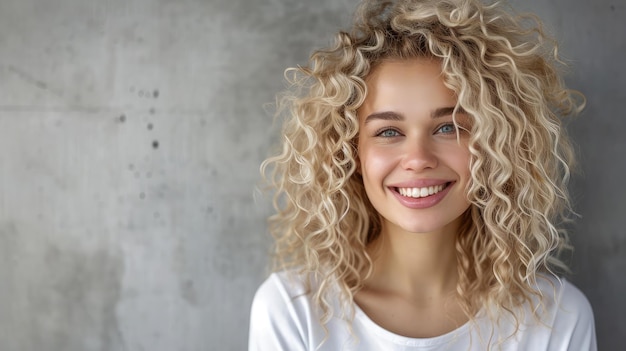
<point x="372" y="326"/>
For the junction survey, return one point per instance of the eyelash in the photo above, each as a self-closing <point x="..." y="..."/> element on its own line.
<point x="385" y="130"/>
<point x="380" y="132"/>
<point x="453" y="131"/>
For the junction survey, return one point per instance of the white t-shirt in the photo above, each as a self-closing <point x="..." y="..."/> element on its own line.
<point x="283" y="317"/>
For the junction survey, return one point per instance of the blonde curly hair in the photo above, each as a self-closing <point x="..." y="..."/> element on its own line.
<point x="504" y="71"/>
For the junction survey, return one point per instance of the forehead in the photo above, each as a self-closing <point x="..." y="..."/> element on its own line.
<point x="407" y="86"/>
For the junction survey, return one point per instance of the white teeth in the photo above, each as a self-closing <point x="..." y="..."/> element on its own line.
<point x="421" y="192"/>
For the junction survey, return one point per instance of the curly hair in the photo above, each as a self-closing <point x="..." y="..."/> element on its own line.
<point x="505" y="71"/>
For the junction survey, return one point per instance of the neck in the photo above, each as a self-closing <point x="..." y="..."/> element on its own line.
<point x="416" y="265"/>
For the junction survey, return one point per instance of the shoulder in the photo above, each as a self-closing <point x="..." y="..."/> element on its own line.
<point x="280" y="314"/>
<point x="565" y="299"/>
<point x="572" y="320"/>
<point x="286" y="285"/>
<point x="280" y="297"/>
<point x="573" y="301"/>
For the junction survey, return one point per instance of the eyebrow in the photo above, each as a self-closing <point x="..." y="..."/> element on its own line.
<point x="393" y="116"/>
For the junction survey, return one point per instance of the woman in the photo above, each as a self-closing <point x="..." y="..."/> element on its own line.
<point x="420" y="187"/>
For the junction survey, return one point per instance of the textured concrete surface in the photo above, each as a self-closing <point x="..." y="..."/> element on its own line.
<point x="130" y="138"/>
<point x="592" y="37"/>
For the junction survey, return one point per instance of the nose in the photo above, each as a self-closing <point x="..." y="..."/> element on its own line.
<point x="419" y="155"/>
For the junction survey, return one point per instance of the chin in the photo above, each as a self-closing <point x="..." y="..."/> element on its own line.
<point x="420" y="228"/>
<point x="427" y="224"/>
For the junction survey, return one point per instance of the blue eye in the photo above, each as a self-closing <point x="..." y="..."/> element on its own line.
<point x="447" y="129"/>
<point x="388" y="133"/>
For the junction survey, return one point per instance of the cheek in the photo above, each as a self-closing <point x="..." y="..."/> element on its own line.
<point x="461" y="162"/>
<point x="454" y="153"/>
<point x="374" y="161"/>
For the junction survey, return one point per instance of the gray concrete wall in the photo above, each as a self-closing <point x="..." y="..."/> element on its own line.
<point x="130" y="137"/>
<point x="593" y="37"/>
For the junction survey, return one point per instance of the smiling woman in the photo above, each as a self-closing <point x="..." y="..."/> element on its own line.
<point x="421" y="180"/>
<point x="415" y="171"/>
<point x="416" y="150"/>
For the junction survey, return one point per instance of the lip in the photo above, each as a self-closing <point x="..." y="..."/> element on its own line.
<point x="421" y="202"/>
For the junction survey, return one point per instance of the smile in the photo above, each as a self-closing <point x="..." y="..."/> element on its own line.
<point x="421" y="192"/>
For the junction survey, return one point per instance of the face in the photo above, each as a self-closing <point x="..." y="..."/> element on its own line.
<point x="414" y="164"/>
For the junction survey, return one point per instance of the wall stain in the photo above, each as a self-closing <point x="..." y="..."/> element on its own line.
<point x="188" y="292"/>
<point x="89" y="286"/>
<point x="70" y="296"/>
<point x="68" y="108"/>
<point x="30" y="79"/>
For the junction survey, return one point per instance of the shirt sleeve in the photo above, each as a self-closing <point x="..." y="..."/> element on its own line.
<point x="274" y="323"/>
<point x="574" y="327"/>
